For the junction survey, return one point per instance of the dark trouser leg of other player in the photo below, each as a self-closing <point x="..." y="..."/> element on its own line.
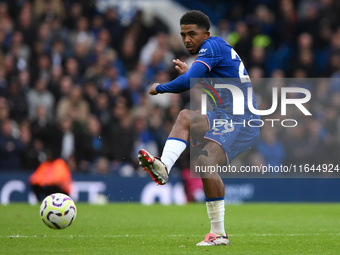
<point x="39" y="192"/>
<point x="213" y="185"/>
<point x="43" y="191"/>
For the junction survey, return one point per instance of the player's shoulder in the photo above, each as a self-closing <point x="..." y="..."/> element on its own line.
<point x="215" y="41"/>
<point x="213" y="44"/>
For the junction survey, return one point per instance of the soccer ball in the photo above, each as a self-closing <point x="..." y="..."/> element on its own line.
<point x="58" y="211"/>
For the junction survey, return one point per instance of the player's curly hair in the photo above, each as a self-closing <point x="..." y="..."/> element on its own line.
<point x="196" y="17"/>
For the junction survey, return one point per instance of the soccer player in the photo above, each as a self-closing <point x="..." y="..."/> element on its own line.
<point x="222" y="143"/>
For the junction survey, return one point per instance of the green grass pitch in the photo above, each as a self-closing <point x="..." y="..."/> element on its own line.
<point x="136" y="229"/>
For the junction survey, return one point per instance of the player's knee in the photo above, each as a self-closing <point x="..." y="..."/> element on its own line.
<point x="184" y="114"/>
<point x="203" y="162"/>
<point x="184" y="117"/>
<point x="194" y="124"/>
<point x="198" y="124"/>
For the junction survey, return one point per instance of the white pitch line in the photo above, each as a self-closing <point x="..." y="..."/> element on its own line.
<point x="127" y="235"/>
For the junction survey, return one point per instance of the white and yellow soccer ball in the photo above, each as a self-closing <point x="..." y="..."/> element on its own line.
<point x="58" y="211"/>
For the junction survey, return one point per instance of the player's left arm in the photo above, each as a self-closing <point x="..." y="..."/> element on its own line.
<point x="181" y="83"/>
<point x="181" y="66"/>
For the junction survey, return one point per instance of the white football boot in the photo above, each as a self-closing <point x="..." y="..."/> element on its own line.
<point x="154" y="166"/>
<point x="212" y="239"/>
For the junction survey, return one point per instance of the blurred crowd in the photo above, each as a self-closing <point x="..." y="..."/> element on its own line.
<point x="74" y="81"/>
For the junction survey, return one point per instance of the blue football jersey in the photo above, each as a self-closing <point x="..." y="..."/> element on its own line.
<point x="225" y="67"/>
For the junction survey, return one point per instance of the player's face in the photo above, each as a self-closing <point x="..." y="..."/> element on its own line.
<point x="193" y="37"/>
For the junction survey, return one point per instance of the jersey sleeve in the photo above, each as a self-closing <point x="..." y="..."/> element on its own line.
<point x="182" y="82"/>
<point x="209" y="54"/>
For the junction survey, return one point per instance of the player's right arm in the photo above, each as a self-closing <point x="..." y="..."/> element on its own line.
<point x="181" y="83"/>
<point x="153" y="90"/>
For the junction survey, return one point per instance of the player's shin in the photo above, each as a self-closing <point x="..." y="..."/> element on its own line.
<point x="215" y="208"/>
<point x="173" y="148"/>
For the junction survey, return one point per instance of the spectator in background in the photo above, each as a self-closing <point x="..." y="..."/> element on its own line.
<point x="58" y="53"/>
<point x="134" y="89"/>
<point x="264" y="20"/>
<point x="257" y="58"/>
<point x="240" y="39"/>
<point x="42" y="36"/>
<point x="82" y="34"/>
<point x="4" y="110"/>
<point x="96" y="25"/>
<point x="96" y="72"/>
<point x="137" y="32"/>
<point x="224" y="29"/>
<point x="157" y="43"/>
<point x="72" y="70"/>
<point x="74" y="105"/>
<point x="41" y="69"/>
<point x="297" y="146"/>
<point x="156" y="65"/>
<point x="104" y="37"/>
<point x="128" y="52"/>
<point x="112" y="23"/>
<point x="162" y="100"/>
<point x="10" y="69"/>
<point x="40" y="96"/>
<point x="62" y="89"/>
<point x="101" y="166"/>
<point x="10" y="147"/>
<point x="47" y="10"/>
<point x="5" y="116"/>
<point x="304" y="55"/>
<point x="90" y="95"/>
<point x="119" y="133"/>
<point x="316" y="142"/>
<point x="19" y="50"/>
<point x="17" y="102"/>
<point x="76" y="11"/>
<point x="271" y="147"/>
<point x="102" y="107"/>
<point x="3" y="81"/>
<point x="90" y="145"/>
<point x="113" y="77"/>
<point x="3" y="40"/>
<point x="59" y="38"/>
<point x="24" y="81"/>
<point x="42" y="127"/>
<point x="81" y="54"/>
<point x="144" y="137"/>
<point x="55" y="82"/>
<point x="25" y="23"/>
<point x="66" y="139"/>
<point x="30" y="158"/>
<point x="309" y="20"/>
<point x="33" y="155"/>
<point x="287" y="24"/>
<point x="176" y="47"/>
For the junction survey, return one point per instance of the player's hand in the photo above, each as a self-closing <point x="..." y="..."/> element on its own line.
<point x="181" y="67"/>
<point x="152" y="90"/>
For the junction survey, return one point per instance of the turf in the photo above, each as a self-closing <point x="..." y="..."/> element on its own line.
<point x="137" y="229"/>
